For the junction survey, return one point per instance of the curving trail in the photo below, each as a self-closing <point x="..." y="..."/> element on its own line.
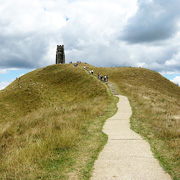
<point x="126" y="155"/>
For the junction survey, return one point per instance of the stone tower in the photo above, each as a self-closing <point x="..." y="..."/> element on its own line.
<point x="60" y="56"/>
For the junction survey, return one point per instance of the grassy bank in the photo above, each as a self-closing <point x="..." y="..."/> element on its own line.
<point x="156" y="114"/>
<point x="50" y="124"/>
<point x="51" y="120"/>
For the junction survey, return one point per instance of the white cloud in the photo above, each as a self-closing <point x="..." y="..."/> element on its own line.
<point x="3" y="71"/>
<point x="174" y="61"/>
<point x="31" y="30"/>
<point x="150" y="22"/>
<point x="4" y="84"/>
<point x="27" y="30"/>
<point x="176" y="80"/>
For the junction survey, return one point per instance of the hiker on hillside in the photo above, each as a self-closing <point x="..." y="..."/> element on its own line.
<point x="98" y="75"/>
<point x="107" y="78"/>
<point x="92" y="72"/>
<point x="104" y="78"/>
<point x="84" y="67"/>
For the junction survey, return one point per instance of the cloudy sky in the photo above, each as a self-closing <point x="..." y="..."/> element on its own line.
<point x="100" y="32"/>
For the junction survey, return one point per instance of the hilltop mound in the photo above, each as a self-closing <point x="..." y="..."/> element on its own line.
<point x="47" y="116"/>
<point x="51" y="119"/>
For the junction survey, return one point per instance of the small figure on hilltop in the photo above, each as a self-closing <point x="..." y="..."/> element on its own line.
<point x="84" y="67"/>
<point x="92" y="72"/>
<point x="107" y="78"/>
<point x="104" y="78"/>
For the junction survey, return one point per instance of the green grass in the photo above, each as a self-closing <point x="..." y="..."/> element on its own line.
<point x="156" y="114"/>
<point x="51" y="122"/>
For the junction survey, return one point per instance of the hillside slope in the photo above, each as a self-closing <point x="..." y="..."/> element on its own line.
<point x="156" y="113"/>
<point x="51" y="120"/>
<point x="50" y="124"/>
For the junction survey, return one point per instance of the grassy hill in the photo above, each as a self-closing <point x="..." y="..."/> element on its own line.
<point x="51" y="120"/>
<point x="50" y="124"/>
<point x="156" y="113"/>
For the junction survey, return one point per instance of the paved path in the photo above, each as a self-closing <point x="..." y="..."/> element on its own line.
<point x="126" y="155"/>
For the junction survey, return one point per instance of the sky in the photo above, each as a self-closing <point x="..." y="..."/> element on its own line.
<point x="107" y="33"/>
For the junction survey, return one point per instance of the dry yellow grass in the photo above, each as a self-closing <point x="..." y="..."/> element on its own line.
<point x="50" y="124"/>
<point x="156" y="113"/>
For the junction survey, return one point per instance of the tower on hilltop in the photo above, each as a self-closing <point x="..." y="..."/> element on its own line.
<point x="60" y="56"/>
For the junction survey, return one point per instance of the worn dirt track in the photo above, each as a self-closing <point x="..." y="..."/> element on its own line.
<point x="126" y="155"/>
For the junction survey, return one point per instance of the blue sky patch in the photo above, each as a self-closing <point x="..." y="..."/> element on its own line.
<point x="12" y="74"/>
<point x="67" y="19"/>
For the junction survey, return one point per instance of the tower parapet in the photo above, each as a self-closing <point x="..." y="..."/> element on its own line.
<point x="60" y="55"/>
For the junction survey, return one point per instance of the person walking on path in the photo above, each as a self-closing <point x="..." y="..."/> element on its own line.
<point x="92" y="72"/>
<point x="104" y="78"/>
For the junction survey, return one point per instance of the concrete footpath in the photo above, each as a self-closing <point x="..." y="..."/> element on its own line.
<point x="126" y="155"/>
